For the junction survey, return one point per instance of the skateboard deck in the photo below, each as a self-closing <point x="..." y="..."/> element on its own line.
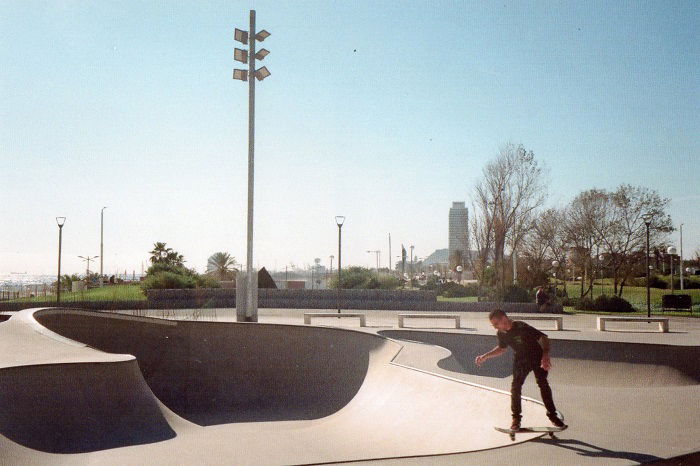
<point x="529" y="430"/>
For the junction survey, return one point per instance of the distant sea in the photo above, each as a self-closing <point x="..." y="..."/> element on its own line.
<point x="21" y="279"/>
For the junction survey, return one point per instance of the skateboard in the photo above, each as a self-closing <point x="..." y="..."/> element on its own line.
<point x="525" y="430"/>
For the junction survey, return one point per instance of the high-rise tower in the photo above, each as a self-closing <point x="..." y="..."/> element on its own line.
<point x="459" y="234"/>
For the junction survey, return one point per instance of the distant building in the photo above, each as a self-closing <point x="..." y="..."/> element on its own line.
<point x="458" y="244"/>
<point x="440" y="257"/>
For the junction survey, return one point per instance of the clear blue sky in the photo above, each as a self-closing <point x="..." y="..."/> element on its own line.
<point x="384" y="112"/>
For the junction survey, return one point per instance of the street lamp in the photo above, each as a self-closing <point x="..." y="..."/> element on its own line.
<point x="647" y="222"/>
<point x="88" y="259"/>
<point x="680" y="259"/>
<point x="671" y="252"/>
<point x="555" y="264"/>
<point x="249" y="57"/>
<point x="60" y="221"/>
<point x="102" y="254"/>
<point x="339" y="220"/>
<point x="377" y="254"/>
<point x="600" y="266"/>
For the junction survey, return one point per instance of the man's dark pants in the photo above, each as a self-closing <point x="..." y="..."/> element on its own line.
<point x="520" y="371"/>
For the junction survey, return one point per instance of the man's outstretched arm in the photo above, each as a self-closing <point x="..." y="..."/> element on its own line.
<point x="546" y="364"/>
<point x="494" y="353"/>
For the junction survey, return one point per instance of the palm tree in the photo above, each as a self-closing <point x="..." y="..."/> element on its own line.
<point x="222" y="265"/>
<point x="159" y="253"/>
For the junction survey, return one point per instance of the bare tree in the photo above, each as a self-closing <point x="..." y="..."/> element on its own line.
<point x="582" y="215"/>
<point x="504" y="203"/>
<point x="622" y="232"/>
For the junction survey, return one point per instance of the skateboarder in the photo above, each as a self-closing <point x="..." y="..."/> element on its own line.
<point x="531" y="354"/>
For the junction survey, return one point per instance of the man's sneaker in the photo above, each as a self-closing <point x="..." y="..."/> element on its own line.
<point x="515" y="425"/>
<point x="556" y="421"/>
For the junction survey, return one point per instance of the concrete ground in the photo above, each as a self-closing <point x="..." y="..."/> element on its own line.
<point x="629" y="394"/>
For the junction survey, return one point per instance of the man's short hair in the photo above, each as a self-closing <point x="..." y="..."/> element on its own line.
<point x="497" y="314"/>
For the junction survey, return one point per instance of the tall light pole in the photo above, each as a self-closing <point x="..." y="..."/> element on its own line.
<point x="647" y="222"/>
<point x="88" y="259"/>
<point x="671" y="252"/>
<point x="411" y="264"/>
<point x="600" y="266"/>
<point x="102" y="253"/>
<point x="555" y="264"/>
<point x="681" y="258"/>
<point x="339" y="220"/>
<point x="390" y="267"/>
<point x="377" y="253"/>
<point x="60" y="221"/>
<point x="249" y="56"/>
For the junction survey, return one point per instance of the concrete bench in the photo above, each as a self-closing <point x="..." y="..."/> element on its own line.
<point x="309" y="315"/>
<point x="662" y="321"/>
<point x="458" y="321"/>
<point x="558" y="320"/>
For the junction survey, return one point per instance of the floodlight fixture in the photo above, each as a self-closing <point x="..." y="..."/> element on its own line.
<point x="262" y="53"/>
<point x="240" y="55"/>
<point x="262" y="73"/>
<point x="339" y="220"/>
<point x="240" y="74"/>
<point x="671" y="250"/>
<point x="262" y="35"/>
<point x="241" y="36"/>
<point x="60" y="221"/>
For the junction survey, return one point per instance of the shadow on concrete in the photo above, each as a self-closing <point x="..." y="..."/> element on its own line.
<point x="77" y="408"/>
<point x="592" y="451"/>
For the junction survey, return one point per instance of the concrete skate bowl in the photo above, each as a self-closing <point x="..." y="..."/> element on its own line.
<point x="234" y="393"/>
<point x="577" y="362"/>
<point x="209" y="373"/>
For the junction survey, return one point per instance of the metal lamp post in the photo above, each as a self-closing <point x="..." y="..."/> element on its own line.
<point x="600" y="266"/>
<point x="339" y="220"/>
<point x="377" y="254"/>
<point x="680" y="259"/>
<point x="555" y="264"/>
<point x="647" y="222"/>
<point x="249" y="56"/>
<point x="88" y="259"/>
<point x="102" y="254"/>
<point x="671" y="252"/>
<point x="60" y="221"/>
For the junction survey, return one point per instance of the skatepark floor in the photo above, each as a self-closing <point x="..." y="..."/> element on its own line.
<point x="622" y="408"/>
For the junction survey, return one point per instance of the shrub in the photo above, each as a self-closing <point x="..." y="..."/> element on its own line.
<point x="452" y="290"/>
<point x="168" y="280"/>
<point x="605" y="303"/>
<point x="513" y="294"/>
<point x="389" y="282"/>
<point x="584" y="304"/>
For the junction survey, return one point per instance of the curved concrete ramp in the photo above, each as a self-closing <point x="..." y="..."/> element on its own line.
<point x="324" y="394"/>
<point x="576" y="362"/>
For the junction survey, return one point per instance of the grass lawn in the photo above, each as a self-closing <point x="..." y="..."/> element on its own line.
<point x="466" y="299"/>
<point x="636" y="295"/>
<point x="106" y="293"/>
